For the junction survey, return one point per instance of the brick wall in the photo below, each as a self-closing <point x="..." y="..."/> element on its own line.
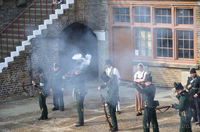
<point x="43" y="51"/>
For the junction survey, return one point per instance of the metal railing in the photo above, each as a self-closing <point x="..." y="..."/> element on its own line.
<point x="23" y="25"/>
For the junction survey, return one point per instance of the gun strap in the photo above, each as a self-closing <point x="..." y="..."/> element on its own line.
<point x="164" y="110"/>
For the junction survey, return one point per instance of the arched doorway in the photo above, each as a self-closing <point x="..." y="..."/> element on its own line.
<point x="78" y="38"/>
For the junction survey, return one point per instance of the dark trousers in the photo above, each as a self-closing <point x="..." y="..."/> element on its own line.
<point x="112" y="110"/>
<point x="79" y="106"/>
<point x="42" y="103"/>
<point x="58" y="95"/>
<point x="185" y="124"/>
<point x="150" y="116"/>
<point x="196" y="107"/>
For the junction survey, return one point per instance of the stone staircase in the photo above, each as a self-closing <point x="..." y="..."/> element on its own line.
<point x="18" y="35"/>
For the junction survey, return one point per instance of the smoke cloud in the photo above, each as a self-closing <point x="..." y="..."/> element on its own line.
<point x="84" y="61"/>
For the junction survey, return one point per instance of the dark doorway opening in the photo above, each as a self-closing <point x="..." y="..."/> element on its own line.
<point x="74" y="39"/>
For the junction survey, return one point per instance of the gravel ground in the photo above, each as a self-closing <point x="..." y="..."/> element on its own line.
<point x="21" y="115"/>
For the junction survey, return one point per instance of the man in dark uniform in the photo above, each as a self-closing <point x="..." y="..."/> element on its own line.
<point x="184" y="107"/>
<point x="148" y="91"/>
<point x="112" y="98"/>
<point x="193" y="86"/>
<point x="42" y="94"/>
<point x="78" y="79"/>
<point x="57" y="88"/>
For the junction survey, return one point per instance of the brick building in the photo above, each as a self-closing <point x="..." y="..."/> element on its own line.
<point x="163" y="35"/>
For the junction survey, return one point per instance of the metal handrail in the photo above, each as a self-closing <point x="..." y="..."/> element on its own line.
<point x="18" y="30"/>
<point x="18" y="16"/>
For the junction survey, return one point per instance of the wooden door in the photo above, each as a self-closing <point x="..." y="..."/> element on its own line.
<point x="123" y="52"/>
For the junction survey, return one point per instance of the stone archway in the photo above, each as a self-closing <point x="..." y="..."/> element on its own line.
<point x="78" y="38"/>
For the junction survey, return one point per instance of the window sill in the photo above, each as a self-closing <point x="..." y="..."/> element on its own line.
<point x="166" y="64"/>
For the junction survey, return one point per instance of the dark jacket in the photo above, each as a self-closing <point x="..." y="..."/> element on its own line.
<point x="148" y="94"/>
<point x="195" y="85"/>
<point x="56" y="81"/>
<point x="184" y="107"/>
<point x="43" y="85"/>
<point x="112" y="92"/>
<point x="79" y="83"/>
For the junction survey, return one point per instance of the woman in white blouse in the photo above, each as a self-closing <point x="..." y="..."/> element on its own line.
<point x="139" y="76"/>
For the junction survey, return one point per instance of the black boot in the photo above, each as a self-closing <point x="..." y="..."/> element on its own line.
<point x="78" y="124"/>
<point x="43" y="118"/>
<point x="55" y="109"/>
<point x="113" y="129"/>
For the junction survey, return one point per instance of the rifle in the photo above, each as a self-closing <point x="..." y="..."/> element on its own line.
<point x="163" y="107"/>
<point x="25" y="89"/>
<point x="133" y="82"/>
<point x="103" y="101"/>
<point x="27" y="85"/>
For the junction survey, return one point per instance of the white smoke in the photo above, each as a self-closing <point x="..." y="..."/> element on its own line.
<point x="84" y="61"/>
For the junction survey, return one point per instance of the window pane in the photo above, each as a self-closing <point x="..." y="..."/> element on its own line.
<point x="179" y="12"/>
<point x="180" y="34"/>
<point x="191" y="54"/>
<point x="127" y="19"/>
<point x="122" y="18"/>
<point x="186" y="34"/>
<point x="158" y="19"/>
<point x="164" y="42"/>
<point x="136" y="10"/>
<point x="180" y="53"/>
<point x="158" y="11"/>
<point x="169" y="11"/>
<point x="116" y="18"/>
<point x="186" y="53"/>
<point x="180" y="20"/>
<point x="142" y="19"/>
<point x="191" y="35"/>
<point x="164" y="19"/>
<point x="170" y="43"/>
<point x="148" y="19"/>
<point x="185" y="12"/>
<point x="191" y="12"/>
<point x="186" y="44"/>
<point x="127" y="11"/>
<point x="137" y="19"/>
<point x="158" y="33"/>
<point x="191" y="44"/>
<point x="143" y="41"/>
<point x="180" y="44"/>
<point x="164" y="33"/>
<point x="164" y="11"/>
<point x="137" y="42"/>
<point x="170" y="53"/>
<point x="121" y="14"/>
<point x="169" y="19"/>
<point x="148" y="12"/>
<point x="191" y="20"/>
<point x="116" y="10"/>
<point x="164" y="52"/>
<point x="122" y="10"/>
<point x="142" y="10"/>
<point x="158" y="42"/>
<point x="185" y="20"/>
<point x="159" y="52"/>
<point x="170" y="33"/>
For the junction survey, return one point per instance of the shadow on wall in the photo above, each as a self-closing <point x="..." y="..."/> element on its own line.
<point x="74" y="39"/>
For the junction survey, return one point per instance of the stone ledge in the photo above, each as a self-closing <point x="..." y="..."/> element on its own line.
<point x="166" y="64"/>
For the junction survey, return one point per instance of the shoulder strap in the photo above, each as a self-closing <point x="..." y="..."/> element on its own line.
<point x="111" y="73"/>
